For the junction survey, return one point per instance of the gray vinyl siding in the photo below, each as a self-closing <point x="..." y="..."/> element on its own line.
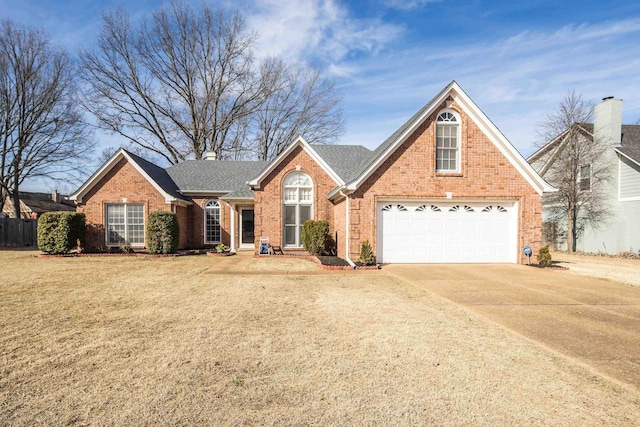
<point x="629" y="179"/>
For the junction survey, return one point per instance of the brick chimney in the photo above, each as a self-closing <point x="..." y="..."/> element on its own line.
<point x="607" y="121"/>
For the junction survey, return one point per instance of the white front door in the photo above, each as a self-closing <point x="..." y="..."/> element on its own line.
<point x="451" y="232"/>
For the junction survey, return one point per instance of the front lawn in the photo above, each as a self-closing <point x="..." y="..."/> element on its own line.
<point x="136" y="341"/>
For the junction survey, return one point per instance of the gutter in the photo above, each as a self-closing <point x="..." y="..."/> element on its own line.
<point x="351" y="263"/>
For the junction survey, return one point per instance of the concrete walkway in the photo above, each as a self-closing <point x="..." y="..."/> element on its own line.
<point x="594" y="321"/>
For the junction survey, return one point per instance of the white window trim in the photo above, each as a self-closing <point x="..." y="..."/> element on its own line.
<point x="106" y="225"/>
<point x="297" y="204"/>
<point x="212" y="242"/>
<point x="458" y="168"/>
<point x="580" y="179"/>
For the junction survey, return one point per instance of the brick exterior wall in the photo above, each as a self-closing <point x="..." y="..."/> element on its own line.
<point x="268" y="199"/>
<point x="123" y="181"/>
<point x="340" y="218"/>
<point x="410" y="173"/>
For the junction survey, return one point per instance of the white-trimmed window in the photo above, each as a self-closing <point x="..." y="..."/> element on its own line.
<point x="448" y="142"/>
<point x="585" y="178"/>
<point x="125" y="224"/>
<point x="298" y="206"/>
<point x="212" y="230"/>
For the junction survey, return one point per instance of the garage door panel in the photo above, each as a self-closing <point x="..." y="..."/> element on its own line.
<point x="452" y="233"/>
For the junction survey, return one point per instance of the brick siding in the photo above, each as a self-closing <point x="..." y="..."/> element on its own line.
<point x="410" y="173"/>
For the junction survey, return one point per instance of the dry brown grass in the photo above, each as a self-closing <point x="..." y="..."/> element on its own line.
<point x="115" y="341"/>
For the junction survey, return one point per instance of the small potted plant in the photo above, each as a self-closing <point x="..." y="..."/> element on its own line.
<point x="222" y="248"/>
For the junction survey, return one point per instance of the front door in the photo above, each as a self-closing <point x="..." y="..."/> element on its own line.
<point x="246" y="228"/>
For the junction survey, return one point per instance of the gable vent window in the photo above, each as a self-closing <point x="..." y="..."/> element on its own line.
<point x="447" y="142"/>
<point x="585" y="178"/>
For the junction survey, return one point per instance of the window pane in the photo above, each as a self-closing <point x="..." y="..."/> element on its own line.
<point x="290" y="215"/>
<point x="116" y="234"/>
<point x="212" y="224"/>
<point x="290" y="194"/>
<point x="305" y="214"/>
<point x="305" y="194"/>
<point x="290" y="235"/>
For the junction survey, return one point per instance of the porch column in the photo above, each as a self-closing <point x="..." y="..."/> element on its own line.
<point x="232" y="221"/>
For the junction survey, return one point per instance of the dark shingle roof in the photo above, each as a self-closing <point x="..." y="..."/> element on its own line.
<point x="159" y="176"/>
<point x="214" y="175"/>
<point x="630" y="142"/>
<point x="42" y="202"/>
<point x="345" y="160"/>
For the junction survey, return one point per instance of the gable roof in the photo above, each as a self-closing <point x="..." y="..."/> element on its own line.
<point x="629" y="145"/>
<point x="554" y="147"/>
<point x="214" y="176"/>
<point x="155" y="175"/>
<point x="453" y="90"/>
<point x="312" y="152"/>
<point x="38" y="203"/>
<point x="345" y="160"/>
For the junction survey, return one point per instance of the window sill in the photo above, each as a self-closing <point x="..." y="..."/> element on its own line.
<point x="449" y="174"/>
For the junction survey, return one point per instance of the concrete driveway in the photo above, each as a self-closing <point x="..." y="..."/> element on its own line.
<point x="594" y="321"/>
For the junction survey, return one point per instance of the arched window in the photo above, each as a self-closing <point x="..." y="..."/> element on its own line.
<point x="448" y="142"/>
<point x="212" y="222"/>
<point x="298" y="206"/>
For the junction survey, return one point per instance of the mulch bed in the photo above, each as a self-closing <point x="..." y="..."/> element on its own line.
<point x="550" y="267"/>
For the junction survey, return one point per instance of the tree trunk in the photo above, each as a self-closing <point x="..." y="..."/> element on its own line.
<point x="15" y="196"/>
<point x="571" y="242"/>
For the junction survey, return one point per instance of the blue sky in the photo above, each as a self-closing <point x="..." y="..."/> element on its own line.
<point x="389" y="57"/>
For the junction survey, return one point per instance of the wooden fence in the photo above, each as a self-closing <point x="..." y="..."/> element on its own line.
<point x="18" y="232"/>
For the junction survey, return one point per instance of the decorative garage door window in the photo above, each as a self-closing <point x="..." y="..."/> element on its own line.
<point x="125" y="224"/>
<point x="391" y="208"/>
<point x="212" y="222"/>
<point x="298" y="206"/>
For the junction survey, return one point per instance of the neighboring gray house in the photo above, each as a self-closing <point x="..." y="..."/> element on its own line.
<point x="621" y="232"/>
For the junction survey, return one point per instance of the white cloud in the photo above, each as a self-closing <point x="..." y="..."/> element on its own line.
<point x="316" y="29"/>
<point x="407" y="4"/>
<point x="515" y="80"/>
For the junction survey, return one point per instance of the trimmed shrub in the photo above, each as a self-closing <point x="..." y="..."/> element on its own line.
<point x="315" y="236"/>
<point x="163" y="232"/>
<point x="366" y="254"/>
<point x="544" y="256"/>
<point x="60" y="232"/>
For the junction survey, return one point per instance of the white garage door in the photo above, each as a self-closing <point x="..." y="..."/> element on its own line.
<point x="452" y="232"/>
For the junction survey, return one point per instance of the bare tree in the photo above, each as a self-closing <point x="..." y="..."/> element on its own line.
<point x="41" y="128"/>
<point x="300" y="102"/>
<point x="579" y="169"/>
<point x="186" y="82"/>
<point x="175" y="85"/>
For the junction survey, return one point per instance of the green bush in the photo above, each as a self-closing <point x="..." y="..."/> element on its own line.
<point x="315" y="237"/>
<point x="60" y="232"/>
<point x="163" y="232"/>
<point x="366" y="254"/>
<point x="544" y="256"/>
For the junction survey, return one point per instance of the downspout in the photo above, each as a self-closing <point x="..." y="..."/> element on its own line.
<point x="346" y="230"/>
<point x="232" y="212"/>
